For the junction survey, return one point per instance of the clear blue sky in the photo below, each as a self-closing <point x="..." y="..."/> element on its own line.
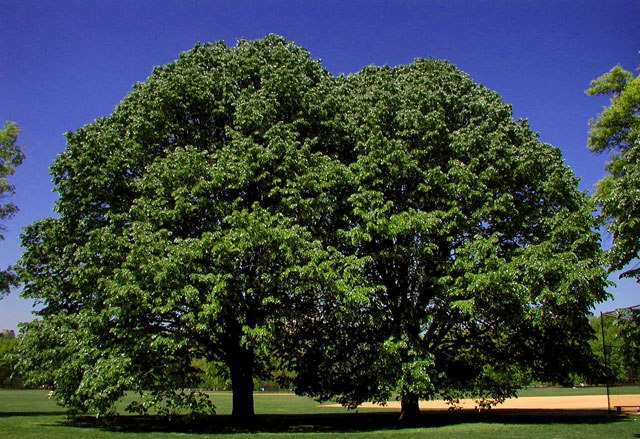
<point x="64" y="63"/>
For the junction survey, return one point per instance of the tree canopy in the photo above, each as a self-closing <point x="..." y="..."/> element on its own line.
<point x="389" y="231"/>
<point x="617" y="130"/>
<point x="11" y="156"/>
<point x="476" y="233"/>
<point x="190" y="227"/>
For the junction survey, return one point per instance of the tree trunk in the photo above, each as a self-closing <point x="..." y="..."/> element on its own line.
<point x="241" y="368"/>
<point x="409" y="407"/>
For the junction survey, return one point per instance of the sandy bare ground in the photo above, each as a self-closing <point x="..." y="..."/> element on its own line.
<point x="591" y="402"/>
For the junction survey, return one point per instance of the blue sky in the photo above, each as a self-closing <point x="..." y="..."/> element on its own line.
<point x="64" y="63"/>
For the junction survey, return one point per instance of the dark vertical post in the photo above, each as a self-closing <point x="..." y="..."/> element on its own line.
<point x="606" y="363"/>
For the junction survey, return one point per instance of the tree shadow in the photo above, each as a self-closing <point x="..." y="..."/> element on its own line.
<point x="26" y="414"/>
<point x="336" y="423"/>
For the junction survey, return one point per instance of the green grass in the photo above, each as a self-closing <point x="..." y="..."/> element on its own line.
<point x="577" y="391"/>
<point x="29" y="414"/>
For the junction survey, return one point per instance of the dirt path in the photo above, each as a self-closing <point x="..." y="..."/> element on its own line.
<point x="592" y="402"/>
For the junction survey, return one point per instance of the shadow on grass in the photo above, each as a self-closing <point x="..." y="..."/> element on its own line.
<point x="336" y="423"/>
<point x="25" y="414"/>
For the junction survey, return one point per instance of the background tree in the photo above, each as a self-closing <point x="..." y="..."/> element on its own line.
<point x="617" y="131"/>
<point x="616" y="370"/>
<point x="190" y="227"/>
<point x="478" y="238"/>
<point x="8" y="376"/>
<point x="214" y="375"/>
<point x="628" y="322"/>
<point x="11" y="155"/>
<point x="622" y="340"/>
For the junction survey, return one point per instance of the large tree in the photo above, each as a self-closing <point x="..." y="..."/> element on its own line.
<point x="479" y="241"/>
<point x="617" y="131"/>
<point x="11" y="155"/>
<point x="389" y="231"/>
<point x="192" y="225"/>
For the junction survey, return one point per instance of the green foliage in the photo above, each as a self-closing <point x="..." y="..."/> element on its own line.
<point x="629" y="332"/>
<point x="622" y="342"/>
<point x="192" y="225"/>
<point x="478" y="239"/>
<point x="8" y="376"/>
<point x="11" y="155"/>
<point x="214" y="375"/>
<point x="389" y="232"/>
<point x="617" y="131"/>
<point x="614" y="370"/>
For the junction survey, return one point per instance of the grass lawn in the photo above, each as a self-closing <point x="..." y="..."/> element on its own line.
<point x="578" y="391"/>
<point x="29" y="414"/>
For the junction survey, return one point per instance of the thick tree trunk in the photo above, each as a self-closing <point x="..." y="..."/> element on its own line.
<point x="241" y="368"/>
<point x="409" y="407"/>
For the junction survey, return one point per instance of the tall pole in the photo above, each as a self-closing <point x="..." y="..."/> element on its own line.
<point x="606" y="363"/>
